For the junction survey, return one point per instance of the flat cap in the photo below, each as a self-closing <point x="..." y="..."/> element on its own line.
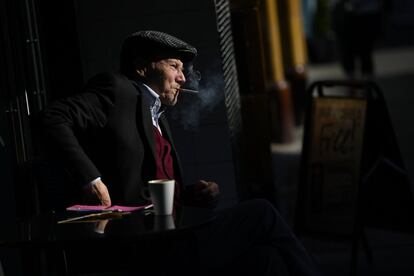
<point x="151" y="45"/>
<point x="154" y="45"/>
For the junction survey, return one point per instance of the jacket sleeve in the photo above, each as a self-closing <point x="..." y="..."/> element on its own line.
<point x="64" y="120"/>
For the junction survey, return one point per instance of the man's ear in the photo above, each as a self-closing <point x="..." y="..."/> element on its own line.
<point x="140" y="67"/>
<point x="141" y="72"/>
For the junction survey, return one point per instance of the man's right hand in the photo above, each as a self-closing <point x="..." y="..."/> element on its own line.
<point x="97" y="193"/>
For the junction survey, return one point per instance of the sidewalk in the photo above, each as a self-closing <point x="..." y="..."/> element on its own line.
<point x="387" y="63"/>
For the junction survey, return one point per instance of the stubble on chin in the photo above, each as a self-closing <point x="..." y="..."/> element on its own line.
<point x="170" y="101"/>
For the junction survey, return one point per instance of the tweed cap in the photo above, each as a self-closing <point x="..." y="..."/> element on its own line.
<point x="151" y="45"/>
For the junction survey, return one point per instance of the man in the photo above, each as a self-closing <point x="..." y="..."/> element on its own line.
<point x="358" y="24"/>
<point x="113" y="138"/>
<point x="105" y="137"/>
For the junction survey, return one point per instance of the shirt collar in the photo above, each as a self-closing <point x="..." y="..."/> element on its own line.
<point x="154" y="101"/>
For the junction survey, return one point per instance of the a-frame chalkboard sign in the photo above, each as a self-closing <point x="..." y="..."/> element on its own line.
<point x="352" y="174"/>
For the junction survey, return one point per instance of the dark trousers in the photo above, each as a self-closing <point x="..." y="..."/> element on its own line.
<point x="252" y="239"/>
<point x="357" y="34"/>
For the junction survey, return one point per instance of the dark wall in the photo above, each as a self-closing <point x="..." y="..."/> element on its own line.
<point x="60" y="47"/>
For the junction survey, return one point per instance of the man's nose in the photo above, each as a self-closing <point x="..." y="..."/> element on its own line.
<point x="181" y="77"/>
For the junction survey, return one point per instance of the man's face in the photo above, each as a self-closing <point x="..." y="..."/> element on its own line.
<point x="165" y="77"/>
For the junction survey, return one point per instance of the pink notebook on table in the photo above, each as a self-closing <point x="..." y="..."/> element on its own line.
<point x="100" y="208"/>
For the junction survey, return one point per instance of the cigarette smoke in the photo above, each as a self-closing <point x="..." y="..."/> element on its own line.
<point x="192" y="108"/>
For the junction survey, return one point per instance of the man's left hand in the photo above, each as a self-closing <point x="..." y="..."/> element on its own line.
<point x="206" y="192"/>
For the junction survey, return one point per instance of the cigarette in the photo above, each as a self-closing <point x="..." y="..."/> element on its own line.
<point x="188" y="90"/>
<point x="149" y="206"/>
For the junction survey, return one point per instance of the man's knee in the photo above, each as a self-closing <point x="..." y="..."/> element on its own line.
<point x="262" y="209"/>
<point x="259" y="204"/>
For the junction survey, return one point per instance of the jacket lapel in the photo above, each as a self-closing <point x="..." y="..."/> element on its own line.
<point x="143" y="116"/>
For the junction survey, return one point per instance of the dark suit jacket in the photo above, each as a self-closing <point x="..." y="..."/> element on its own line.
<point x="107" y="131"/>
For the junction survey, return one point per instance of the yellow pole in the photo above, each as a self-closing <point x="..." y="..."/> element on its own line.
<point x="297" y="59"/>
<point x="297" y="34"/>
<point x="275" y="49"/>
<point x="282" y="108"/>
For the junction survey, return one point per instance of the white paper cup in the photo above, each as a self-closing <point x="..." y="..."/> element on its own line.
<point x="162" y="195"/>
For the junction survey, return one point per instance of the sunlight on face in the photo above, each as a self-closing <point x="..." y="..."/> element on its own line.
<point x="165" y="77"/>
